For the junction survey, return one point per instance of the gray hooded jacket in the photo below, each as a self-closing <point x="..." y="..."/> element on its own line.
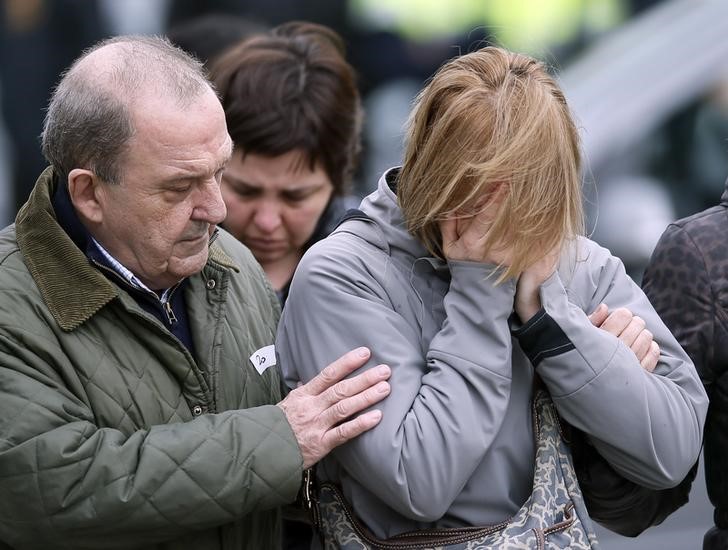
<point x="455" y="445"/>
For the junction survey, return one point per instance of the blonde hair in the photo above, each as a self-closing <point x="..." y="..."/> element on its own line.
<point x="488" y="118"/>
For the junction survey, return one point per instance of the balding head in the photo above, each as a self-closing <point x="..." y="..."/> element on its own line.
<point x="90" y="116"/>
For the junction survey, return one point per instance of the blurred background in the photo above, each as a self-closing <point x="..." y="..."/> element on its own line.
<point x="647" y="81"/>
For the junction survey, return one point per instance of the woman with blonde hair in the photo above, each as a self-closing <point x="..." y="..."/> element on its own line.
<point x="467" y="272"/>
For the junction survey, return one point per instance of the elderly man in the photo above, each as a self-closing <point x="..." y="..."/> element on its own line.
<point x="138" y="378"/>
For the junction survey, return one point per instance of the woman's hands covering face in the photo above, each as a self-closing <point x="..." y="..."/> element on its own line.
<point x="528" y="301"/>
<point x="464" y="236"/>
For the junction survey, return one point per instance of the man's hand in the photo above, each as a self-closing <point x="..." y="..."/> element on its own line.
<point x="319" y="410"/>
<point x="631" y="330"/>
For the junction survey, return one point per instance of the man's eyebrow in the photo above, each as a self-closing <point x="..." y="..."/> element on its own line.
<point x="228" y="155"/>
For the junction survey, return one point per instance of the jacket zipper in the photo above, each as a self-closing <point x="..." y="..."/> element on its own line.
<point x="206" y="384"/>
<point x="171" y="317"/>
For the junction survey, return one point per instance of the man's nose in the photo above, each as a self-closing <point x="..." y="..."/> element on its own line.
<point x="210" y="208"/>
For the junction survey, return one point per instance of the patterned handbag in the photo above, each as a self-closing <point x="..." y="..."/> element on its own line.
<point x="554" y="516"/>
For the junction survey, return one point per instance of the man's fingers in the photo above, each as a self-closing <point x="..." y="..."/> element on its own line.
<point x="599" y="315"/>
<point x="349" y="430"/>
<point x="343" y="366"/>
<point x="319" y="411"/>
<point x="344" y="409"/>
<point x="617" y="321"/>
<point x="355" y="385"/>
<point x="653" y="356"/>
<point x="632" y="331"/>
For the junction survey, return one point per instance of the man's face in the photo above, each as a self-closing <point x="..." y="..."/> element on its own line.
<point x="158" y="220"/>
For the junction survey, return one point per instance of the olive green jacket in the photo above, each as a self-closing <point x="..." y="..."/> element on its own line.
<point x="111" y="434"/>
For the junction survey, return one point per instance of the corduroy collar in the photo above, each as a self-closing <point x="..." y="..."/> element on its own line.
<point x="72" y="289"/>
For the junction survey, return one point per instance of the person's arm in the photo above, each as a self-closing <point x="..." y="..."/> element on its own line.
<point x="615" y="502"/>
<point x="648" y="425"/>
<point x="680" y="290"/>
<point x="66" y="482"/>
<point x="682" y="287"/>
<point x="448" y="399"/>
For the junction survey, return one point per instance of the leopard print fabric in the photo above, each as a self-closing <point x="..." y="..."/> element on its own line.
<point x="687" y="283"/>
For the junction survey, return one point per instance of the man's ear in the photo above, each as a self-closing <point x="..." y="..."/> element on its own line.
<point x="83" y="187"/>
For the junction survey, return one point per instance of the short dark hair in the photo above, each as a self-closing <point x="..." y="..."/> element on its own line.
<point x="292" y="88"/>
<point x="88" y="123"/>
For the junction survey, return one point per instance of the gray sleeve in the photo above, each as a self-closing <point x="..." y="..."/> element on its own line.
<point x="647" y="425"/>
<point x="447" y="401"/>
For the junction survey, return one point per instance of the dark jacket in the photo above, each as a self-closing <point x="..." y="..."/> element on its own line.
<point x="687" y="282"/>
<point x="112" y="435"/>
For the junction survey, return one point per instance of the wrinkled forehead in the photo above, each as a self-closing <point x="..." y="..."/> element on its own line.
<point x="166" y="134"/>
<point x="154" y="112"/>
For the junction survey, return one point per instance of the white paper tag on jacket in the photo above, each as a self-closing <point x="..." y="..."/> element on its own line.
<point x="264" y="358"/>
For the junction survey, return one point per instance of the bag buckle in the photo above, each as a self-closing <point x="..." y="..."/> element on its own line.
<point x="310" y="496"/>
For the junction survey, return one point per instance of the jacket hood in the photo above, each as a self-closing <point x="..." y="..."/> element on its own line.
<point x="383" y="208"/>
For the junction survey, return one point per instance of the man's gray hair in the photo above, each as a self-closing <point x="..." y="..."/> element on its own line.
<point x="89" y="122"/>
